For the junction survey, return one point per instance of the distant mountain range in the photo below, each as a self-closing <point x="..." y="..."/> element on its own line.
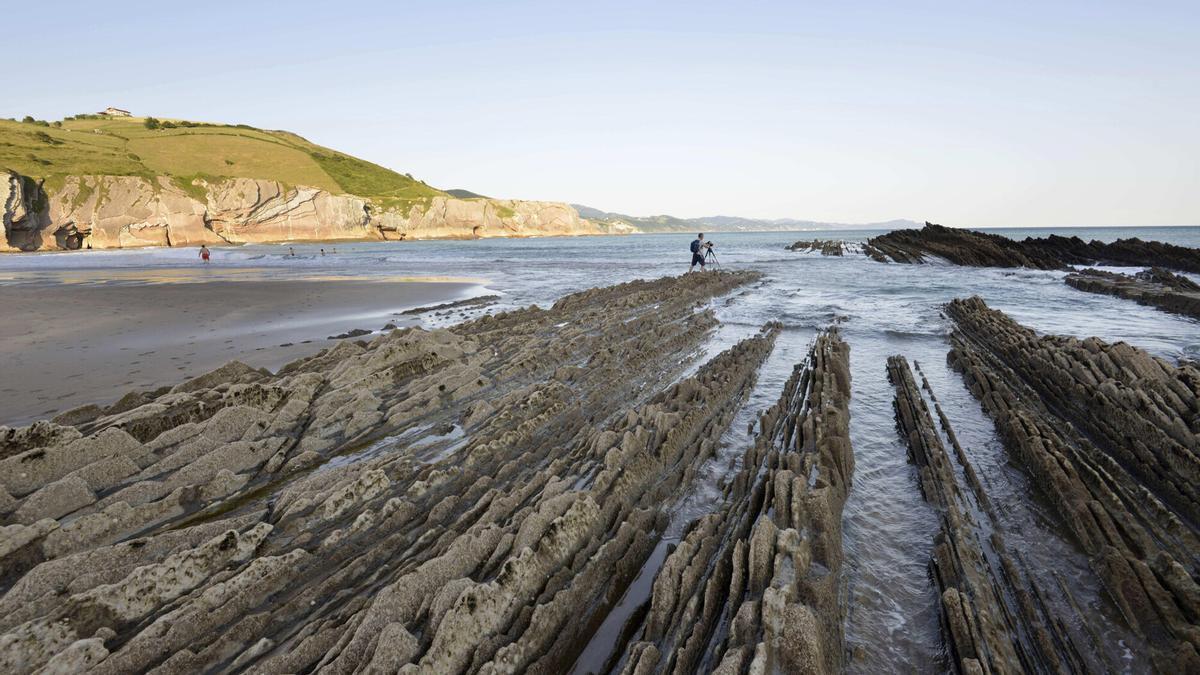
<point x="728" y="223"/>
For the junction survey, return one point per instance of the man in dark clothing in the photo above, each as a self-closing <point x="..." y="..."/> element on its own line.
<point x="699" y="248"/>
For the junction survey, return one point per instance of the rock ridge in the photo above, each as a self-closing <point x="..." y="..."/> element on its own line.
<point x="981" y="249"/>
<point x="756" y="585"/>
<point x="993" y="612"/>
<point x="459" y="500"/>
<point x="1110" y="435"/>
<point x="1155" y="287"/>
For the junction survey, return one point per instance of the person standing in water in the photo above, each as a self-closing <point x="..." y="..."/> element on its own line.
<point x="204" y="253"/>
<point x="698" y="252"/>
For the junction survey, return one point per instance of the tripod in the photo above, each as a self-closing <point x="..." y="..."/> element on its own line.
<point x="709" y="255"/>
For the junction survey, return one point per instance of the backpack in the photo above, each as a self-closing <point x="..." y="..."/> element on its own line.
<point x="695" y="246"/>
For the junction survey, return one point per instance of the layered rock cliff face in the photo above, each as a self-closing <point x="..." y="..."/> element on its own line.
<point x="129" y="211"/>
<point x="23" y="215"/>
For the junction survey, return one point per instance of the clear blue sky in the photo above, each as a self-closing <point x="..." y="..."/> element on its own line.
<point x="965" y="113"/>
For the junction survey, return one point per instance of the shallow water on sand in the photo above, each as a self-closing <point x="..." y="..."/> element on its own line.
<point x="882" y="310"/>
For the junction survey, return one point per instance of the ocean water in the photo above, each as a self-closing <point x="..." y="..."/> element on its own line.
<point x="882" y="309"/>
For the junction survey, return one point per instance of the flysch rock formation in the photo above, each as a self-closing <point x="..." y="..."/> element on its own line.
<point x="1155" y="287"/>
<point x="981" y="249"/>
<point x="131" y="211"/>
<point x="822" y="246"/>
<point x="464" y="500"/>
<point x="754" y="587"/>
<point x="993" y="614"/>
<point x="1110" y="435"/>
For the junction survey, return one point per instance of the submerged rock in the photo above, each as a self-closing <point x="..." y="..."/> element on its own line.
<point x="825" y="247"/>
<point x="357" y="332"/>
<point x="1111" y="436"/>
<point x="765" y="567"/>
<point x="994" y="613"/>
<point x="1155" y="287"/>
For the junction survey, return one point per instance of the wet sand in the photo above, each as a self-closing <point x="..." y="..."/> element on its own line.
<point x="66" y="345"/>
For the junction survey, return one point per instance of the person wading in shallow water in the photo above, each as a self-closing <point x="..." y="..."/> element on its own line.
<point x="204" y="253"/>
<point x="698" y="250"/>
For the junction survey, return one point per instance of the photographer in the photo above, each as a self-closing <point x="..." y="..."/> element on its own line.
<point x="699" y="248"/>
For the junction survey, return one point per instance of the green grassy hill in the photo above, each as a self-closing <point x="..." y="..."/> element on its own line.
<point x="127" y="146"/>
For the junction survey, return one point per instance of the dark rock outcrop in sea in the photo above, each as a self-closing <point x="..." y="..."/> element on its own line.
<point x="1155" y="287"/>
<point x="824" y="246"/>
<point x="1111" y="436"/>
<point x="464" y="500"/>
<point x="981" y="249"/>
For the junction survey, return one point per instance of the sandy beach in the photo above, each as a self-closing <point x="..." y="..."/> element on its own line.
<point x="82" y="343"/>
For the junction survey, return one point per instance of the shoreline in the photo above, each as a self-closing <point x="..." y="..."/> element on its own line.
<point x="523" y="440"/>
<point x="371" y="240"/>
<point x="313" y="242"/>
<point x="120" y="338"/>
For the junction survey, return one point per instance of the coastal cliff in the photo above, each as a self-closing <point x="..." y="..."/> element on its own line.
<point x="129" y="211"/>
<point x="105" y="181"/>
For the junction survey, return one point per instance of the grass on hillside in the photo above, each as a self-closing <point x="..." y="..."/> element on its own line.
<point x="186" y="151"/>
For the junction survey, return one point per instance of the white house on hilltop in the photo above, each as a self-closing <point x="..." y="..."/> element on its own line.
<point x="116" y="112"/>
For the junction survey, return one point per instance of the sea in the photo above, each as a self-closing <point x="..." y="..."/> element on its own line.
<point x="881" y="310"/>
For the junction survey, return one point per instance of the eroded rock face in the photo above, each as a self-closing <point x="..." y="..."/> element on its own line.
<point x="980" y="249"/>
<point x="1111" y="436"/>
<point x="130" y="211"/>
<point x="1155" y="287"/>
<point x="823" y="246"/>
<point x="463" y="500"/>
<point x="23" y="213"/>
<point x="765" y="568"/>
<point x="995" y="617"/>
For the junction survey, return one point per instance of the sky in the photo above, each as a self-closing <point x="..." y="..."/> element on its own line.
<point x="974" y="114"/>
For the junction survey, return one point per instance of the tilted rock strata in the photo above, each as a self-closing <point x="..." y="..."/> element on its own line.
<point x="1109" y="434"/>
<point x="825" y="247"/>
<point x="959" y="246"/>
<point x="23" y="216"/>
<point x="1166" y="278"/>
<point x="128" y="211"/>
<point x="981" y="249"/>
<point x="1155" y="287"/>
<point x="754" y="587"/>
<point x="461" y="500"/>
<point x="992" y="616"/>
